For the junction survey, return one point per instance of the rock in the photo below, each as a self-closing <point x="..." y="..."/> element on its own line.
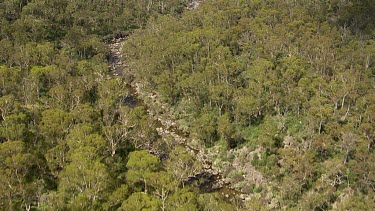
<point x="161" y="112"/>
<point x="193" y="5"/>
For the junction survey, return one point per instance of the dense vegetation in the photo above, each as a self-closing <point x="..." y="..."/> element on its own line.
<point x="294" y="78"/>
<point x="291" y="79"/>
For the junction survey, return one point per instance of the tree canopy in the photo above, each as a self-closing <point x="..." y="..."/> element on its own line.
<point x="275" y="96"/>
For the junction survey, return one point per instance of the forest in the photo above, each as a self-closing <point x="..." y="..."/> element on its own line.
<point x="219" y="105"/>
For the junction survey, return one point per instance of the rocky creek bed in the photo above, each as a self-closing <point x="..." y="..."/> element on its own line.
<point x="211" y="178"/>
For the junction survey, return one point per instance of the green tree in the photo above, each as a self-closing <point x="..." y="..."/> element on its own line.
<point x="140" y="201"/>
<point x="183" y="199"/>
<point x="84" y="181"/>
<point x="140" y="165"/>
<point x="17" y="180"/>
<point x="204" y="128"/>
<point x="116" y="198"/>
<point x="163" y="184"/>
<point x="225" y="128"/>
<point x="13" y="127"/>
<point x="182" y="164"/>
<point x="9" y="78"/>
<point x="6" y="105"/>
<point x="213" y="201"/>
<point x="84" y="135"/>
<point x="55" y="123"/>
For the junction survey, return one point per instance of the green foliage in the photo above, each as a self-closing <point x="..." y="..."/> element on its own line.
<point x="13" y="127"/>
<point x="16" y="173"/>
<point x="204" y="128"/>
<point x="182" y="164"/>
<point x="58" y="101"/>
<point x="116" y="198"/>
<point x="213" y="201"/>
<point x="140" y="166"/>
<point x="291" y="79"/>
<point x="140" y="201"/>
<point x="225" y="128"/>
<point x="182" y="199"/>
<point x="286" y="76"/>
<point x="54" y="124"/>
<point x="84" y="181"/>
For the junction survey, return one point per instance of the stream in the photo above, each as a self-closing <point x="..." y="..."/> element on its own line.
<point x="210" y="180"/>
